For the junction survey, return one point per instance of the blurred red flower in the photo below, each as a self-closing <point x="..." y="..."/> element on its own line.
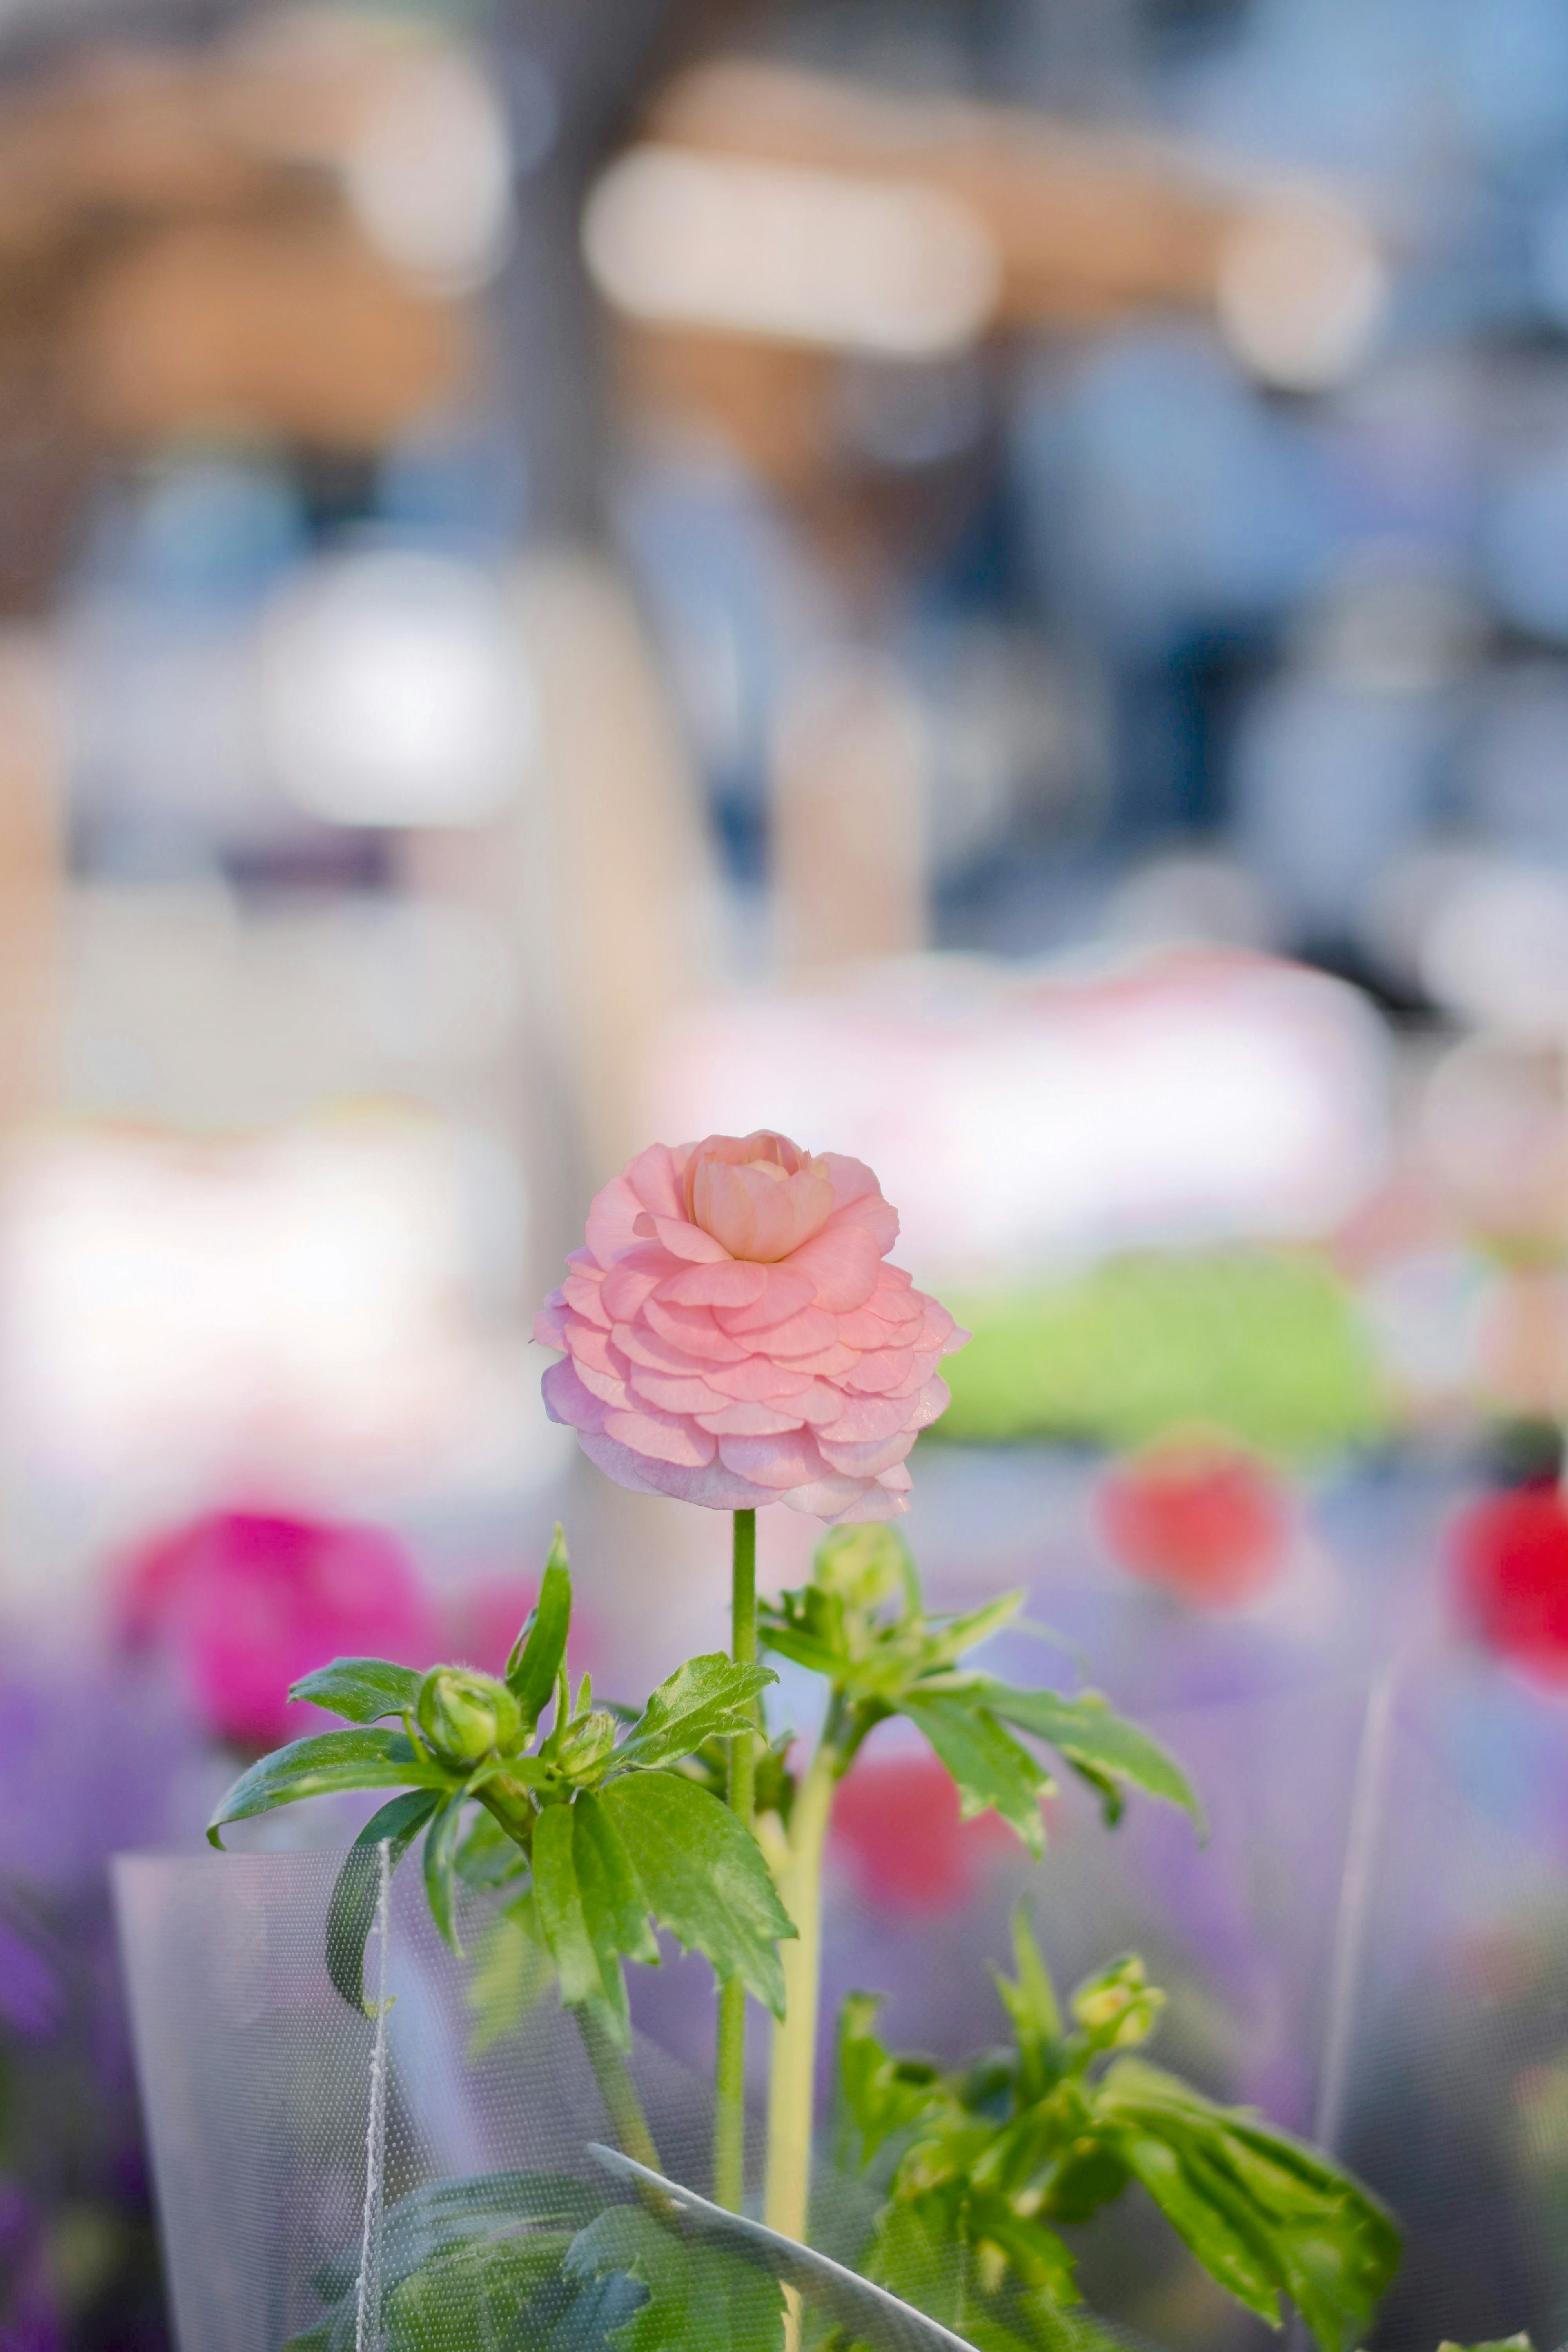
<point x="1510" y="1554"/>
<point x="1207" y="1520"/>
<point x="247" y="1602"/>
<point x="897" y="1827"/>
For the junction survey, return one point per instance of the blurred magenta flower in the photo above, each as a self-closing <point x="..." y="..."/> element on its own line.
<point x="733" y="1335"/>
<point x="1511" y="1561"/>
<point x="247" y="1601"/>
<point x="29" y="2316"/>
<point x="898" y="1830"/>
<point x="1204" y="1517"/>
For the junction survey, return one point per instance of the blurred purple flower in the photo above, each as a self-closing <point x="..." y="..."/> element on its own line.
<point x="29" y="2319"/>
<point x="31" y="1996"/>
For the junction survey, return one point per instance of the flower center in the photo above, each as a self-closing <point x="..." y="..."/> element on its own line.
<point x="759" y="1195"/>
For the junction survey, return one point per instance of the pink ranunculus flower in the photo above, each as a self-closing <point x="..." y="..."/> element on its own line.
<point x="732" y="1334"/>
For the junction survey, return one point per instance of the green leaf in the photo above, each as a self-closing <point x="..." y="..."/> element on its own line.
<point x="806" y="1650"/>
<point x="705" y="1877"/>
<point x="1094" y="1738"/>
<point x="1501" y="2344"/>
<point x="1218" y="2229"/>
<point x="430" y="2221"/>
<point x="615" y="1903"/>
<point x="471" y="2296"/>
<point x="1320" y="2238"/>
<point x="357" y="1887"/>
<point x="988" y="1767"/>
<point x="699" y="2299"/>
<point x="364" y="1689"/>
<point x="574" y="2314"/>
<point x="324" y="1765"/>
<point x="707" y="1698"/>
<point x="1031" y="2002"/>
<point x="509" y="1975"/>
<point x="562" y="1921"/>
<point x="879" y="2096"/>
<point x="949" y="1638"/>
<point x="440" y="1878"/>
<point x="536" y="1658"/>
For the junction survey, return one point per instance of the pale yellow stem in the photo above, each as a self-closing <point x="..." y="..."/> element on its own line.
<point x="793" y="2067"/>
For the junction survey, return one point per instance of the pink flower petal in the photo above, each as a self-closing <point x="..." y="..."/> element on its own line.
<point x="851" y="1178"/>
<point x="672" y="1391"/>
<point x="879" y="1371"/>
<point x="931" y="1403"/>
<point x="566" y="1400"/>
<point x="641" y="1346"/>
<point x="732" y="1282"/>
<point x="784" y="1293"/>
<point x="756" y="1379"/>
<point x="871" y="1215"/>
<point x="662" y="1437"/>
<point x="842" y="1263"/>
<point x="611" y="1221"/>
<point x="757" y="1210"/>
<point x="805" y="1334"/>
<point x="828" y="1363"/>
<point x="626" y="1288"/>
<point x="550" y="1323"/>
<point x="584" y="1293"/>
<point x="654" y="1179"/>
<point x="772" y="1461"/>
<point x="608" y="1385"/>
<point x="866" y="1461"/>
<point x="748" y="1421"/>
<point x="693" y="1328"/>
<point x="712" y="1487"/>
<point x="862" y="1418"/>
<point x="689" y="1243"/>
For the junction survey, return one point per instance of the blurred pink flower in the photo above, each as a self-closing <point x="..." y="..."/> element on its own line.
<point x="733" y="1335"/>
<point x="247" y="1603"/>
<point x="897" y="1826"/>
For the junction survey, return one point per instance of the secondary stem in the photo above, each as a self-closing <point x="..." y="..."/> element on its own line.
<point x="793" y="2070"/>
<point x="617" y="2090"/>
<point x="729" y="2073"/>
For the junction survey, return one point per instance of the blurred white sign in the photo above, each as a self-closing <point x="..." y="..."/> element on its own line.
<point x="1016" y="1121"/>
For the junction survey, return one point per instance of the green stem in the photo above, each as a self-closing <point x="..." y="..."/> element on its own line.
<point x="793" y="2070"/>
<point x="730" y="2072"/>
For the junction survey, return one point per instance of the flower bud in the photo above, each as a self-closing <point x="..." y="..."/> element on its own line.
<point x="585" y="1742"/>
<point x="1119" y="2006"/>
<point x="465" y="1715"/>
<point x="866" y="1567"/>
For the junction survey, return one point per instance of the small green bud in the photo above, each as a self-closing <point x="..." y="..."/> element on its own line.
<point x="1119" y="2006"/>
<point x="465" y="1715"/>
<point x="585" y="1743"/>
<point x="866" y="1567"/>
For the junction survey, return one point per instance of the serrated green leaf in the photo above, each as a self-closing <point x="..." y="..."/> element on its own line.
<point x="323" y="1766"/>
<point x="560" y="1906"/>
<point x="535" y="1660"/>
<point x="440" y="1878"/>
<point x="1218" y="2231"/>
<point x="1322" y="2239"/>
<point x="577" y="2315"/>
<point x="614" y="1902"/>
<point x="509" y="1975"/>
<point x="804" y="1649"/>
<point x="705" y="1877"/>
<point x="357" y="1887"/>
<point x="879" y="2096"/>
<point x="364" y="1689"/>
<point x="1094" y="1738"/>
<point x="989" y="1769"/>
<point x="470" y="2296"/>
<point x="708" y="1698"/>
<point x="947" y="1640"/>
<point x="699" y="2299"/>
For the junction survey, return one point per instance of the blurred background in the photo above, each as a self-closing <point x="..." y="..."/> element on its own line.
<point x="983" y="583"/>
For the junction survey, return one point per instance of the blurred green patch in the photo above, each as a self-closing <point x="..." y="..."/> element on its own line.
<point x="1268" y="1347"/>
